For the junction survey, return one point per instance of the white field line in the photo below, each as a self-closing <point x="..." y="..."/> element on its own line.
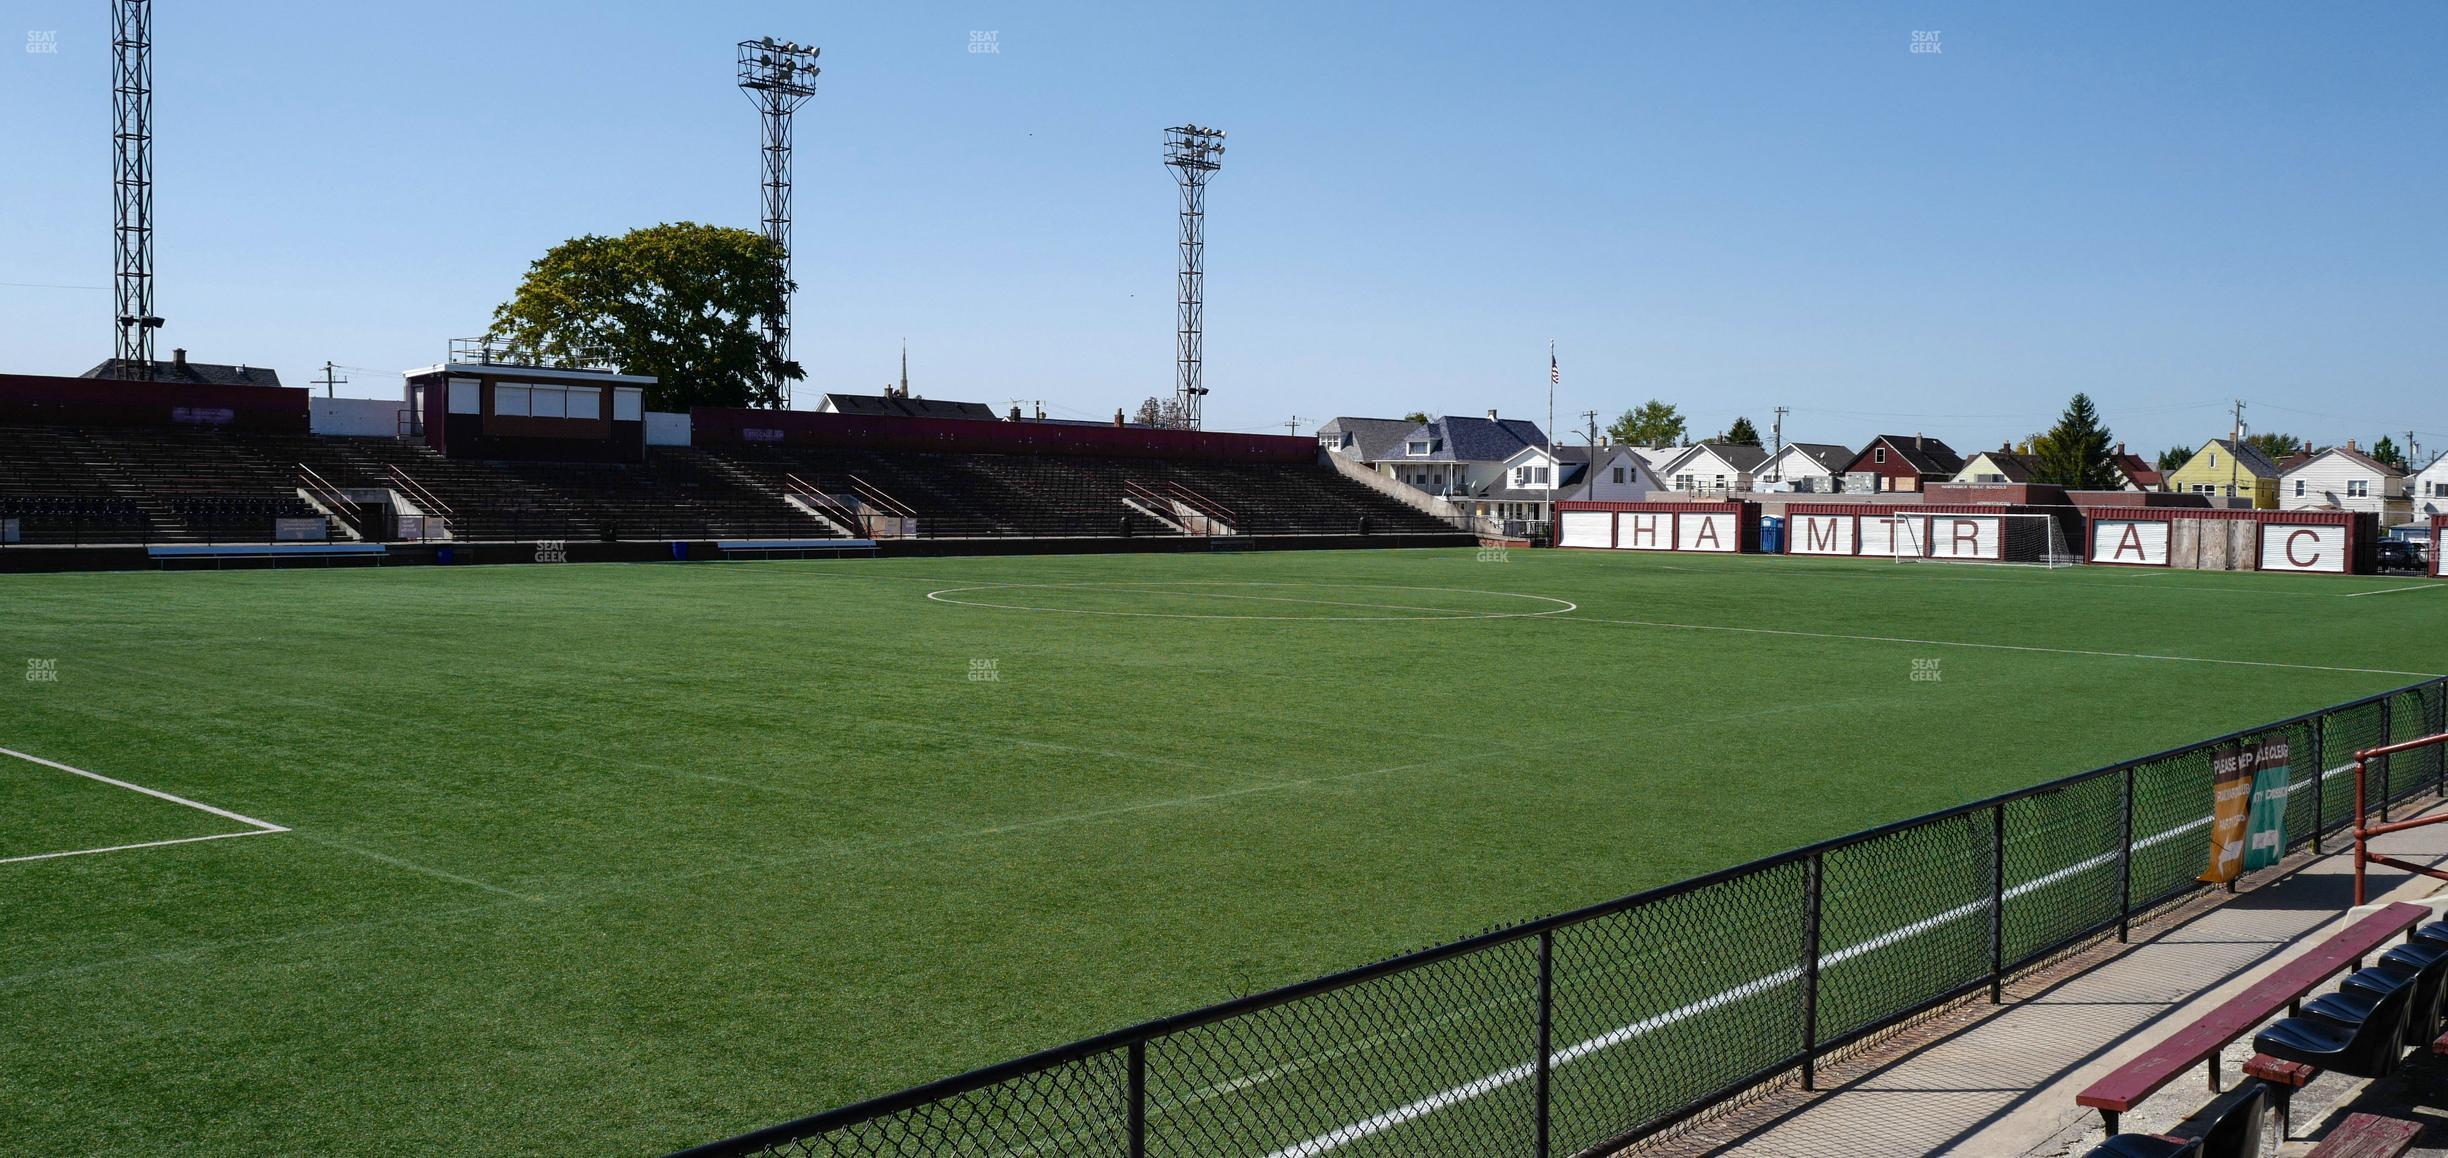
<point x="1566" y="618"/>
<point x="146" y="844"/>
<point x="251" y="822"/>
<point x="2395" y="590"/>
<point x="1479" y="1087"/>
<point x="254" y="827"/>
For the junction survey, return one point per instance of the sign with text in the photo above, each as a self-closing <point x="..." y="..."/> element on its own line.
<point x="2142" y="542"/>
<point x="2248" y="795"/>
<point x="1644" y="531"/>
<point x="2303" y="547"/>
<point x="1965" y="537"/>
<point x="1819" y="535"/>
<point x="1709" y="532"/>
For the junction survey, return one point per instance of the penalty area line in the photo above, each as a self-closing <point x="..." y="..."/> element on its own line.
<point x="157" y="794"/>
<point x="145" y="844"/>
<point x="254" y="827"/>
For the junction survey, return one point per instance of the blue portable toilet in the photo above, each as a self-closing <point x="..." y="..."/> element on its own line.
<point x="1772" y="535"/>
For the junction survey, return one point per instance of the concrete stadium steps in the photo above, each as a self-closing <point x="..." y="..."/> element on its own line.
<point x="1054" y="495"/>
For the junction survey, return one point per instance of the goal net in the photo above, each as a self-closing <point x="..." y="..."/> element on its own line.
<point x="2023" y="539"/>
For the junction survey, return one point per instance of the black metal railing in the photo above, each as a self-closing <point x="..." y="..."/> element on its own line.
<point x="1596" y="1028"/>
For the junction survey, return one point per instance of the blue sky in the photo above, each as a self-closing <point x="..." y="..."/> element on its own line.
<point x="1726" y="206"/>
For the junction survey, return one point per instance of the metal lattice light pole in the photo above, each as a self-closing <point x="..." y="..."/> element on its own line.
<point x="132" y="185"/>
<point x="1192" y="153"/>
<point x="779" y="76"/>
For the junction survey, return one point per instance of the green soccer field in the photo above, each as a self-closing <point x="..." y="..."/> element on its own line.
<point x="623" y="858"/>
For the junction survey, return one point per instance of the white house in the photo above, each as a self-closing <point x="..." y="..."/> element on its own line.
<point x="2429" y="489"/>
<point x="1804" y="467"/>
<point x="1714" y="466"/>
<point x="1520" y="493"/>
<point x="1658" y="456"/>
<point x="2002" y="465"/>
<point x="2343" y="478"/>
<point x="1449" y="457"/>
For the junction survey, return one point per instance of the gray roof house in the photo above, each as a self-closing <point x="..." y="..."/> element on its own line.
<point x="1365" y="439"/>
<point x="179" y="369"/>
<point x="898" y="406"/>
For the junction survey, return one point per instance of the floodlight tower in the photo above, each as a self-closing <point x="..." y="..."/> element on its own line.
<point x="132" y="184"/>
<point x="778" y="76"/>
<point x="1192" y="153"/>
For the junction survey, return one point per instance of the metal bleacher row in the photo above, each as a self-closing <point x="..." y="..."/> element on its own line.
<point x="202" y="485"/>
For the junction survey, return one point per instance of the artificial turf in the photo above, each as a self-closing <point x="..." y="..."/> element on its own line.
<point x="622" y="858"/>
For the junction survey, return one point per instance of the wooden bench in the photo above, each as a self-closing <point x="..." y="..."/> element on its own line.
<point x="798" y="548"/>
<point x="163" y="557"/>
<point x="2284" y="989"/>
<point x="2368" y="1136"/>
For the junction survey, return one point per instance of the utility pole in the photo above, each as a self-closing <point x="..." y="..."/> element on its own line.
<point x="1294" y="425"/>
<point x="329" y="382"/>
<point x="1777" y="474"/>
<point x="2234" y="468"/>
<point x="1591" y="484"/>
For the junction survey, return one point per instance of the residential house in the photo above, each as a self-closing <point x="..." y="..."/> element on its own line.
<point x="904" y="406"/>
<point x="2002" y="465"/>
<point x="1364" y="440"/>
<point x="1519" y="495"/>
<point x="2226" y="469"/>
<point x="2428" y="489"/>
<point x="1658" y="456"/>
<point x="1906" y="462"/>
<point x="1717" y="467"/>
<point x="2134" y="472"/>
<point x="2343" y="478"/>
<point x="1449" y="457"/>
<point x="179" y="369"/>
<point x="1804" y="467"/>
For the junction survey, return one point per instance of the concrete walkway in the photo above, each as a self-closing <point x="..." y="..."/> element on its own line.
<point x="2001" y="1080"/>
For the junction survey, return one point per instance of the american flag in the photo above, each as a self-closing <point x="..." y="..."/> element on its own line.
<point x="1555" y="373"/>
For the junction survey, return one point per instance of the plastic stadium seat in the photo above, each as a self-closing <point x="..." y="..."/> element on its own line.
<point x="2369" y="1049"/>
<point x="2365" y="987"/>
<point x="2230" y="1126"/>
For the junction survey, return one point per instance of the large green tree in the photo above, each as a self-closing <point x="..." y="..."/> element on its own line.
<point x="683" y="302"/>
<point x="2278" y="447"/>
<point x="1655" y="424"/>
<point x="2075" y="452"/>
<point x="1742" y="433"/>
<point x="2174" y="457"/>
<point x="2385" y="450"/>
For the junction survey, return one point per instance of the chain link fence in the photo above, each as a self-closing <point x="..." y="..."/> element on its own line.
<point x="1585" y="1031"/>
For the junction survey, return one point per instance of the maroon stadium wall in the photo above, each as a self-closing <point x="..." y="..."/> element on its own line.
<point x="725" y="426"/>
<point x="1711" y="528"/>
<point x="2316" y="542"/>
<point x="37" y="399"/>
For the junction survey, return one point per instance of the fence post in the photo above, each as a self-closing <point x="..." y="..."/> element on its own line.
<point x="2125" y="843"/>
<point x="1813" y="871"/>
<point x="2388" y="787"/>
<point x="2320" y="780"/>
<point x="1138" y="1099"/>
<point x="1997" y="904"/>
<point x="1546" y="1031"/>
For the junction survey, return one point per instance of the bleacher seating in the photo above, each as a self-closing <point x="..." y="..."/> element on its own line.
<point x="171" y="485"/>
<point x="973" y="495"/>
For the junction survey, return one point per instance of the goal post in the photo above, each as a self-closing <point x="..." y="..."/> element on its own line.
<point x="2021" y="538"/>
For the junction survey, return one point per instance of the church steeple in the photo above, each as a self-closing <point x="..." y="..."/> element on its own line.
<point x="905" y="367"/>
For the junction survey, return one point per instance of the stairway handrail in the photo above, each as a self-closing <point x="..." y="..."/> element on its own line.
<point x="416" y="490"/>
<point x="876" y="495"/>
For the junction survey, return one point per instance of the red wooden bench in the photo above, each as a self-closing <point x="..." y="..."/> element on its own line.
<point x="2368" y="1136"/>
<point x="2126" y="1086"/>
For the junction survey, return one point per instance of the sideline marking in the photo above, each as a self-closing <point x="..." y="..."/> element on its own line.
<point x="1989" y="646"/>
<point x="1564" y="606"/>
<point x="2395" y="590"/>
<point x="255" y="827"/>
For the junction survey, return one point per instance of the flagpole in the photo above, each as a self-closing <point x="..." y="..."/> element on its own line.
<point x="1555" y="373"/>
